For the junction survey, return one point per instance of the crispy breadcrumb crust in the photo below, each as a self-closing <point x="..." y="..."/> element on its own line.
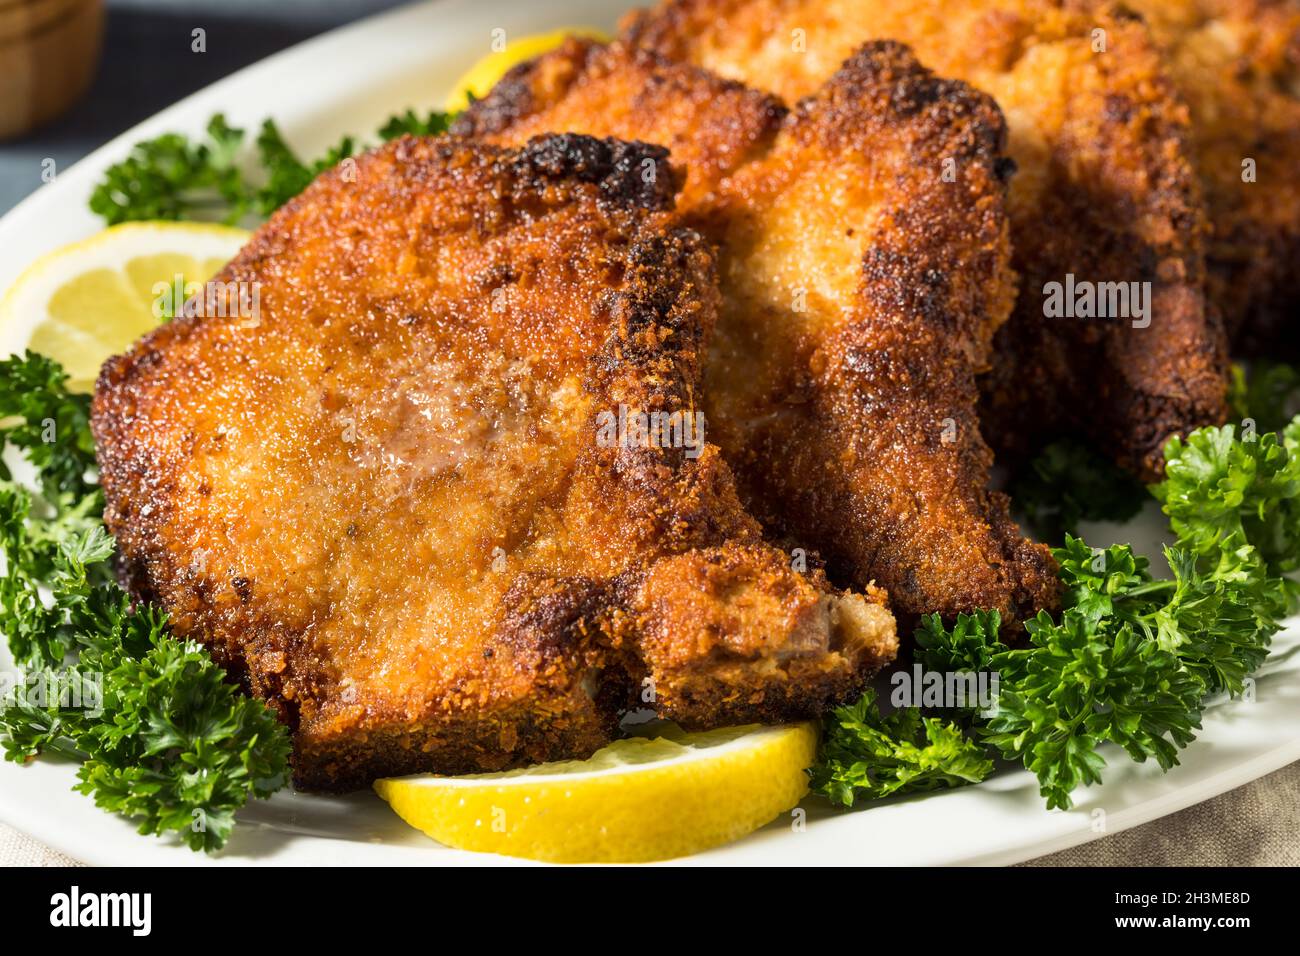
<point x="383" y="501"/>
<point x="1237" y="64"/>
<point x="1105" y="191"/>
<point x="849" y="416"/>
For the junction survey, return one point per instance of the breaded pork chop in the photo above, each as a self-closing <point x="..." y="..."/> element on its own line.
<point x="1237" y="63"/>
<point x="861" y="287"/>
<point x="410" y="502"/>
<point x="1105" y="193"/>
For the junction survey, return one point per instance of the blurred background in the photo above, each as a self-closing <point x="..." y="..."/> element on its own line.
<point x="146" y="63"/>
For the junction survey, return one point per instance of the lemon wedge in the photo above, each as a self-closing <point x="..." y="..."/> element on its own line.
<point x="636" y="800"/>
<point x="483" y="75"/>
<point x="89" y="300"/>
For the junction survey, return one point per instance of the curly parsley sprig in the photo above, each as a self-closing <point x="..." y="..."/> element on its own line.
<point x="1069" y="482"/>
<point x="175" y="177"/>
<point x="1218" y="485"/>
<point x="866" y="756"/>
<point x="1268" y="394"/>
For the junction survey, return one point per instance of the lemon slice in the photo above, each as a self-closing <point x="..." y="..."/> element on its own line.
<point x="635" y="800"/>
<point x="483" y="75"/>
<point x="92" y="299"/>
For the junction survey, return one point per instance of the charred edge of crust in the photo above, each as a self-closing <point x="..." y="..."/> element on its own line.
<point x="660" y="320"/>
<point x="654" y="325"/>
<point x="967" y="123"/>
<point x="616" y="167"/>
<point x="547" y="616"/>
<point x="1161" y="417"/>
<point x="512" y="99"/>
<point x="1036" y="584"/>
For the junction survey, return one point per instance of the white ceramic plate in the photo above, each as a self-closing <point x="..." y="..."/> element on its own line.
<point x="349" y="81"/>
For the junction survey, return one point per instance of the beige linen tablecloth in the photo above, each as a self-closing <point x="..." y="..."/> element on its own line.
<point x="1254" y="825"/>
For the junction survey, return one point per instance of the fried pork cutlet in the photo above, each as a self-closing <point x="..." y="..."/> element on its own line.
<point x="1237" y="63"/>
<point x="863" y="255"/>
<point x="1105" y="194"/>
<point x="409" y="503"/>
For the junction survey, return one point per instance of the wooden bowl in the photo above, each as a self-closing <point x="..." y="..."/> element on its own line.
<point x="20" y="18"/>
<point x="49" y="50"/>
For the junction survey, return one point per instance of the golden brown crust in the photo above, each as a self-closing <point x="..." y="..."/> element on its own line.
<point x="386" y="504"/>
<point x="1105" y="191"/>
<point x="864" y="260"/>
<point x="1237" y="64"/>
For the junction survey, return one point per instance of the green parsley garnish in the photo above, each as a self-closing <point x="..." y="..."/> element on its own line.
<point x="1218" y="485"/>
<point x="172" y="177"/>
<point x="1068" y="482"/>
<point x="866" y="756"/>
<point x="1268" y="396"/>
<point x="411" y="123"/>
